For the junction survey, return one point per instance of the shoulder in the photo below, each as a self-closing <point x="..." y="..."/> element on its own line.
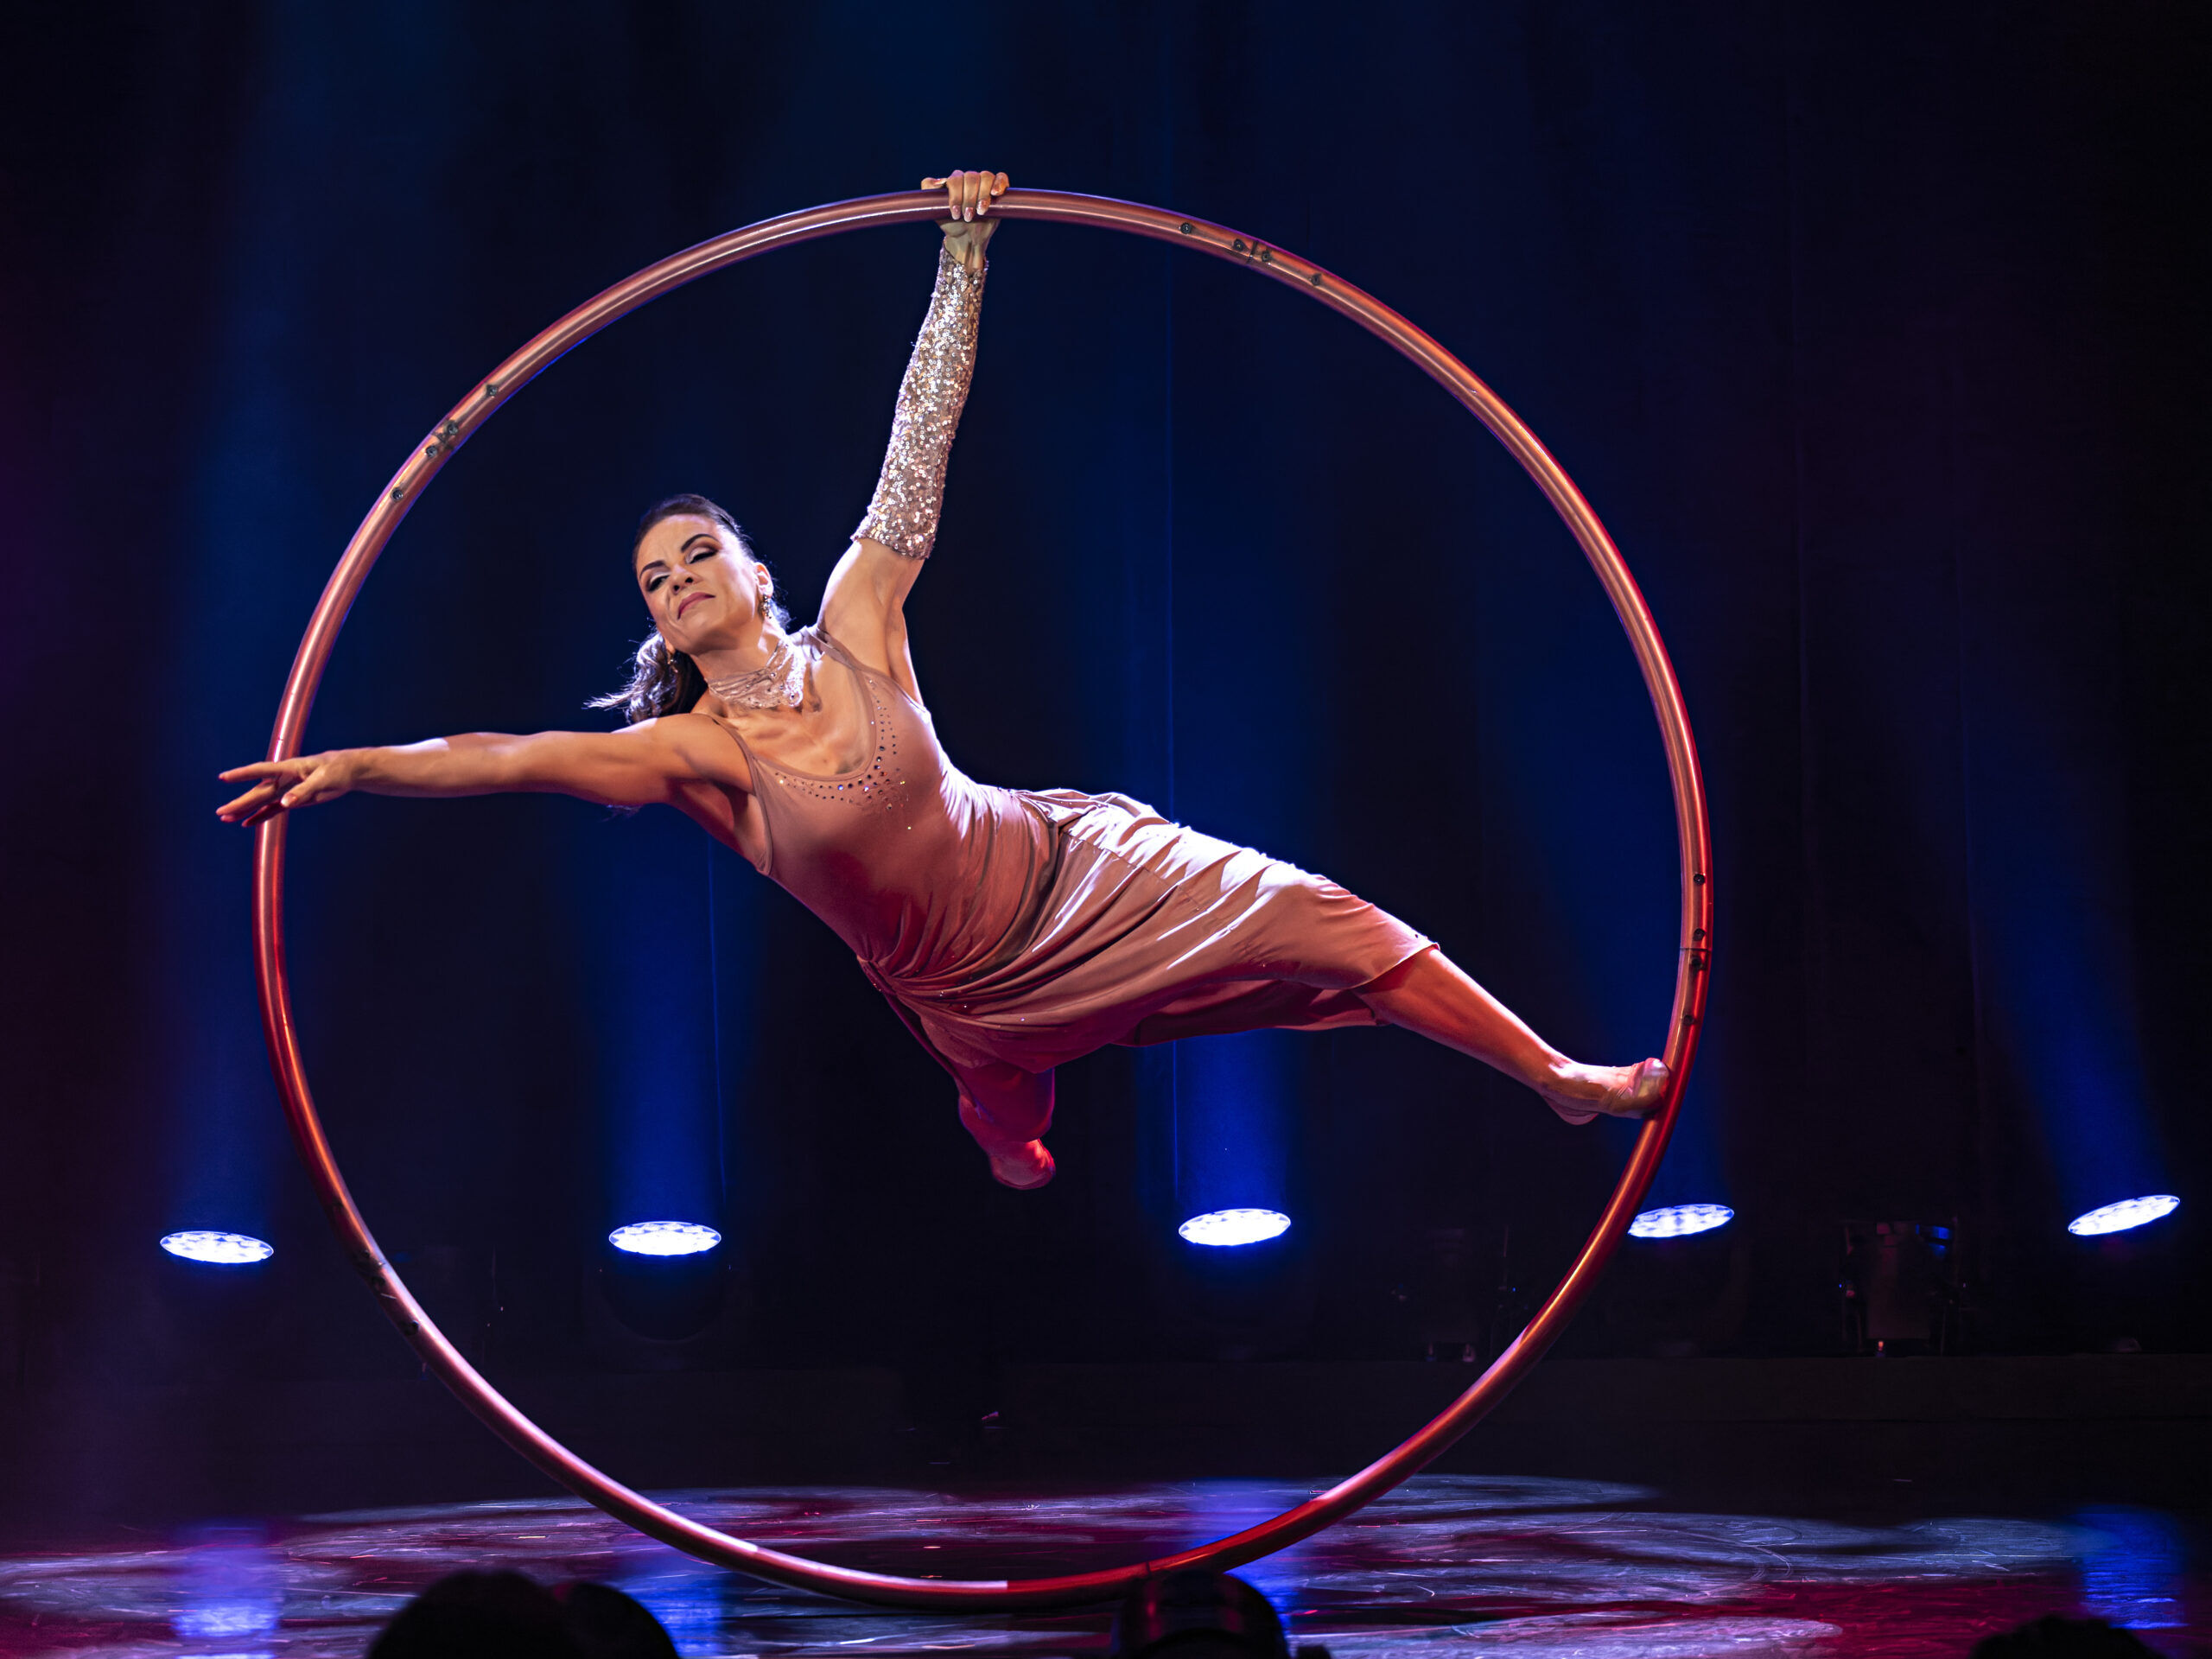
<point x="694" y="745"/>
<point x="817" y="643"/>
<point x="864" y="604"/>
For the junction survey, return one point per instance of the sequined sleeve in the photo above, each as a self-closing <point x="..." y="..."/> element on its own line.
<point x="910" y="492"/>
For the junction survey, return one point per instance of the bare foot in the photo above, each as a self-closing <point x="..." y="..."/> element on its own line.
<point x="1578" y="1093"/>
<point x="1027" y="1167"/>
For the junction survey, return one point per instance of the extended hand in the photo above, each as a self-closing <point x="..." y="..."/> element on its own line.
<point x="279" y="786"/>
<point x="967" y="201"/>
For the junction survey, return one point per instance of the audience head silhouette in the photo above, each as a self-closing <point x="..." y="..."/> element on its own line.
<point x="2056" y="1637"/>
<point x="507" y="1615"/>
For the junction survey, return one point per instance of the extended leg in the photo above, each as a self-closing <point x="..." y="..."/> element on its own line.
<point x="1007" y="1110"/>
<point x="1429" y="994"/>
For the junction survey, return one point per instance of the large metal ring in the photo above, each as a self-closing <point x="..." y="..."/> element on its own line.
<point x="564" y="1465"/>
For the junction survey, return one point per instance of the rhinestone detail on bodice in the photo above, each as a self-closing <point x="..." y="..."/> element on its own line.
<point x="883" y="779"/>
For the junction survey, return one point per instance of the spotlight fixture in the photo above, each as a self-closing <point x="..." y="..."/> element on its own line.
<point x="229" y="1249"/>
<point x="1680" y="1220"/>
<point x="1226" y="1227"/>
<point x="2119" y="1218"/>
<point x="664" y="1238"/>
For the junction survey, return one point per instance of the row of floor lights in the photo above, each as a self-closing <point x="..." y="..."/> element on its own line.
<point x="639" y="1238"/>
<point x="1215" y="1228"/>
<point x="1680" y="1220"/>
<point x="1225" y="1228"/>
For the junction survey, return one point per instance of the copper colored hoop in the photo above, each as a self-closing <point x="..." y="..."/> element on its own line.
<point x="557" y="1461"/>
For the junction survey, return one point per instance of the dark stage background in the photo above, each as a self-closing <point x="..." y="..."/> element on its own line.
<point x="1876" y="338"/>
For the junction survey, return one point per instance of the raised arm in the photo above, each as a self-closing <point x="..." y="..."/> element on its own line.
<point x="639" y="766"/>
<point x="864" y="603"/>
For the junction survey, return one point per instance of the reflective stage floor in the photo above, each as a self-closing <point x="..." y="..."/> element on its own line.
<point x="1450" y="1565"/>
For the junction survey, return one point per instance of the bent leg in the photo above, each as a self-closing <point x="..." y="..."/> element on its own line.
<point x="1430" y="994"/>
<point x="1008" y="1111"/>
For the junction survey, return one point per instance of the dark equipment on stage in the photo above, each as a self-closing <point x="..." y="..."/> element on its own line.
<point x="1198" y="1614"/>
<point x="1678" y="1296"/>
<point x="1903" y="1288"/>
<point x="664" y="1298"/>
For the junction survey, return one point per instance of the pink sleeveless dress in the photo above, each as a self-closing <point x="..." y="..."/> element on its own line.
<point x="1027" y="927"/>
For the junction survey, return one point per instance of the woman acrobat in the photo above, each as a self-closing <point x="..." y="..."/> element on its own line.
<point x="1011" y="930"/>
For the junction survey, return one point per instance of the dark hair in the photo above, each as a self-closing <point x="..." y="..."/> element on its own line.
<point x="663" y="680"/>
<point x="481" y="1616"/>
<point x="507" y="1615"/>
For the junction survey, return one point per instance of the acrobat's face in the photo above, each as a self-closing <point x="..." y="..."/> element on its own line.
<point x="704" y="594"/>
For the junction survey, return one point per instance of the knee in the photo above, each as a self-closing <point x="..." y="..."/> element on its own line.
<point x="1420" y="966"/>
<point x="1313" y="924"/>
<point x="1004" y="1107"/>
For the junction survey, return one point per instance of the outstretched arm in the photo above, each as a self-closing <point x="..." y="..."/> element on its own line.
<point x="641" y="765"/>
<point x="864" y="604"/>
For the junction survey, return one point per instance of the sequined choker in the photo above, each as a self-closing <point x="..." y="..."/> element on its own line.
<point x="779" y="684"/>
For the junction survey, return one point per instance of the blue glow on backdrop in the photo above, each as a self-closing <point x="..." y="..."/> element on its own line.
<point x="1235" y="1119"/>
<point x="659" y="1097"/>
<point x="2073" y="1056"/>
<point x="252" y="489"/>
<point x="2047" y="870"/>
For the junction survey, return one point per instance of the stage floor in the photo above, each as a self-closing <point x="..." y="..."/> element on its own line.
<point x="1450" y="1565"/>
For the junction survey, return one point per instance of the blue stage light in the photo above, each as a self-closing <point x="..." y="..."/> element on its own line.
<point x="2119" y="1218"/>
<point x="231" y="1249"/>
<point x="1225" y="1227"/>
<point x="1680" y="1220"/>
<point x="664" y="1238"/>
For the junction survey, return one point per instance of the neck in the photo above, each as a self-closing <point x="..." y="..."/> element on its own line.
<point x="762" y="639"/>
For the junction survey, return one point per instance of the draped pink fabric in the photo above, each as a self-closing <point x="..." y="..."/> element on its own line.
<point x="1023" y="928"/>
